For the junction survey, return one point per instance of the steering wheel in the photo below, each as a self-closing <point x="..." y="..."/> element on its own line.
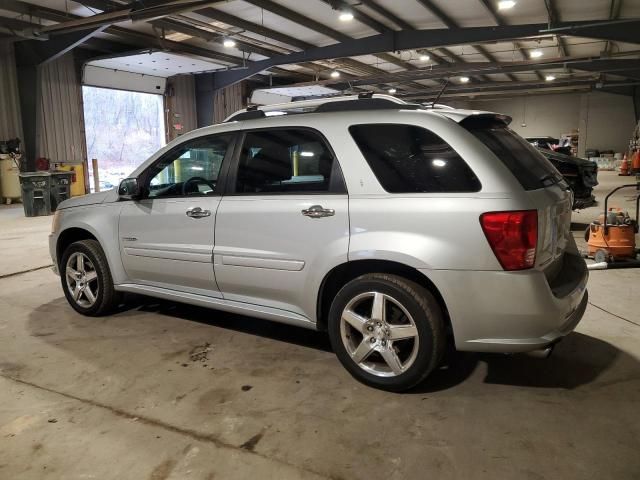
<point x="196" y="181"/>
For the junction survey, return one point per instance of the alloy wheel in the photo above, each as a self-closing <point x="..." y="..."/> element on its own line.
<point x="82" y="279"/>
<point x="379" y="334"/>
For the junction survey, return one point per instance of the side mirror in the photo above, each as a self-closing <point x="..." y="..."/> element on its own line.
<point x="129" y="189"/>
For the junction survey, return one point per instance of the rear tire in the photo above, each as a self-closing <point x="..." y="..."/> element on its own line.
<point x="387" y="331"/>
<point x="86" y="279"/>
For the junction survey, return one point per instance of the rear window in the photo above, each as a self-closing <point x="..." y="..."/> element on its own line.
<point x="410" y="159"/>
<point x="525" y="162"/>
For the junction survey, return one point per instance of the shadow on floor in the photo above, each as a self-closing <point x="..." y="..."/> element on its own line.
<point x="578" y="360"/>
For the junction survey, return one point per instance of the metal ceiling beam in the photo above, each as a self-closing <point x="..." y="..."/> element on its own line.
<point x="554" y="18"/>
<point x="130" y="13"/>
<point x="36" y="52"/>
<point x="131" y="36"/>
<point x="451" y="23"/>
<point x="617" y="30"/>
<point x="629" y="68"/>
<point x="500" y="21"/>
<point x="510" y="87"/>
<point x="358" y="15"/>
<point x="234" y="21"/>
<point x="386" y="42"/>
<point x="311" y="24"/>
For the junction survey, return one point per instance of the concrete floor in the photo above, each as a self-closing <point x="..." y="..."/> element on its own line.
<point x="162" y="391"/>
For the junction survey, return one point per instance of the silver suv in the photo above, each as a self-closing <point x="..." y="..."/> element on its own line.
<point x="398" y="229"/>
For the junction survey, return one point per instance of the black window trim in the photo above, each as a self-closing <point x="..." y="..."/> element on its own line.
<point x="439" y="194"/>
<point x="336" y="187"/>
<point x="143" y="178"/>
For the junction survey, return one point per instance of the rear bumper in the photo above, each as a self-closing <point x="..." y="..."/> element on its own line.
<point x="508" y="312"/>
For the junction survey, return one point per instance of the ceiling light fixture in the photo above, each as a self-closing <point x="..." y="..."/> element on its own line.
<point x="392" y="91"/>
<point x="535" y="53"/>
<point x="425" y="58"/>
<point x="345" y="16"/>
<point x="335" y="74"/>
<point x="506" y="4"/>
<point x="464" y="79"/>
<point x="229" y="43"/>
<point x="550" y="78"/>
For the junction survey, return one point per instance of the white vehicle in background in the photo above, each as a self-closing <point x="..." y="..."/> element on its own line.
<point x="397" y="229"/>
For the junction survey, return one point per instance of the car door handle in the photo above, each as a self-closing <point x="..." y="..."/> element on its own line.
<point x="197" y="212"/>
<point x="316" y="211"/>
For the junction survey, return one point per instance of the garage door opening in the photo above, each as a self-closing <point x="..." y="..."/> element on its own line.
<point x="122" y="129"/>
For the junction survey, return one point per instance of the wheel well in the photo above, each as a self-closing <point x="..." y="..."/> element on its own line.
<point x="342" y="274"/>
<point x="68" y="236"/>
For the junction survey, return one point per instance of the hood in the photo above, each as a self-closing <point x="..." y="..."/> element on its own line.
<point x="91" y="199"/>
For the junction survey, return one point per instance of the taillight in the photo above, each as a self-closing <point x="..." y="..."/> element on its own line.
<point x="513" y="237"/>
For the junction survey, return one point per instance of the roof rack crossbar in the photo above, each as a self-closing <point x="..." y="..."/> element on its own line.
<point x="366" y="101"/>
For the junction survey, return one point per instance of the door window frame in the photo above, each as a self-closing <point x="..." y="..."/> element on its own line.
<point x="337" y="184"/>
<point x="145" y="178"/>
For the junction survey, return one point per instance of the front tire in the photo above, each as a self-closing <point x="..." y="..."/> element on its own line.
<point x="86" y="279"/>
<point x="387" y="331"/>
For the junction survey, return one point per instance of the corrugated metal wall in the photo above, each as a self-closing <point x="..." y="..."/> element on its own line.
<point x="60" y="132"/>
<point x="227" y="101"/>
<point x="181" y="105"/>
<point x="10" y="120"/>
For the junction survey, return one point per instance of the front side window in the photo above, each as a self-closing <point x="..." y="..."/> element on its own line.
<point x="192" y="169"/>
<point x="410" y="159"/>
<point x="285" y="161"/>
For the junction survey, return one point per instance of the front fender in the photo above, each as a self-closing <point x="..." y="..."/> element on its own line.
<point x="101" y="221"/>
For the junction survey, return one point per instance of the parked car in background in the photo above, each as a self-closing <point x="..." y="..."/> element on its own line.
<point x="397" y="229"/>
<point x="548" y="143"/>
<point x="580" y="174"/>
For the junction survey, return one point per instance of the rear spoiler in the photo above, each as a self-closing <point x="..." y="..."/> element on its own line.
<point x="477" y="119"/>
<point x="486" y="120"/>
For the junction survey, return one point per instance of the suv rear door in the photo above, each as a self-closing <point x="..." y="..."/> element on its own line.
<point x="539" y="178"/>
<point x="283" y="221"/>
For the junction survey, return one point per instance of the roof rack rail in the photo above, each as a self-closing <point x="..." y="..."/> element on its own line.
<point x="345" y="103"/>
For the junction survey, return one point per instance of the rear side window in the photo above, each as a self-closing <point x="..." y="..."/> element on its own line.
<point x="410" y="159"/>
<point x="525" y="162"/>
<point x="287" y="160"/>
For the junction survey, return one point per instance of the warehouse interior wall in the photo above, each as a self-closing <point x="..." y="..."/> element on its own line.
<point x="180" y="103"/>
<point x="10" y="119"/>
<point x="228" y="100"/>
<point x="60" y="124"/>
<point x="605" y="120"/>
<point x="610" y="121"/>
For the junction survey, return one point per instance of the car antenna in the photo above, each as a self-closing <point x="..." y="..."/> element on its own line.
<point x="444" y="87"/>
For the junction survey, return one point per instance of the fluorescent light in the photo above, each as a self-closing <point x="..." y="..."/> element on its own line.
<point x="197" y="168"/>
<point x="438" y="163"/>
<point x="307" y="154"/>
<point x="392" y="91"/>
<point x="506" y="4"/>
<point x="535" y="53"/>
<point x="550" y="78"/>
<point x="464" y="79"/>
<point x="335" y="74"/>
<point x="229" y="43"/>
<point x="345" y="16"/>
<point x="425" y="58"/>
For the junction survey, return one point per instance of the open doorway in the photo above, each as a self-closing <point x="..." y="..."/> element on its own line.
<point x="123" y="129"/>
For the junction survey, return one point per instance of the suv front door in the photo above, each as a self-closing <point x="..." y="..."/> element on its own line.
<point x="166" y="238"/>
<point x="283" y="222"/>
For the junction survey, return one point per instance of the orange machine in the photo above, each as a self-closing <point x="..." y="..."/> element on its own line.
<point x="613" y="236"/>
